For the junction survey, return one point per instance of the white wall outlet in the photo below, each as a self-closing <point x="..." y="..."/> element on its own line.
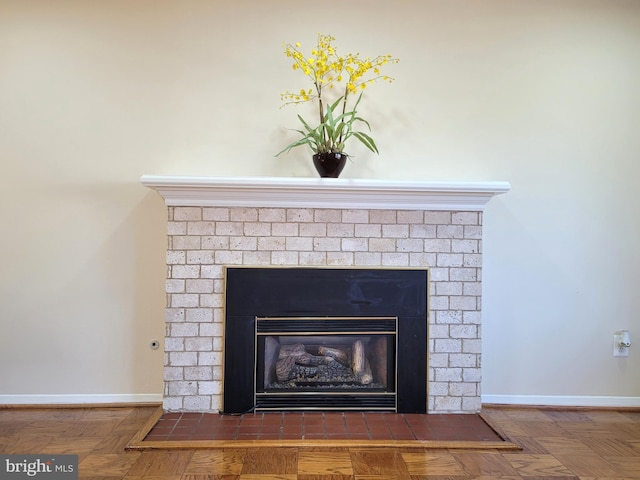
<point x="618" y="350"/>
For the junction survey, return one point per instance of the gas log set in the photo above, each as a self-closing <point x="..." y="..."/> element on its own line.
<point x="335" y="366"/>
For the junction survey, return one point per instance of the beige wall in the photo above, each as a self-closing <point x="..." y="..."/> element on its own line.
<point x="93" y="94"/>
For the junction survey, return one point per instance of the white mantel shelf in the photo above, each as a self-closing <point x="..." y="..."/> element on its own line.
<point x="340" y="193"/>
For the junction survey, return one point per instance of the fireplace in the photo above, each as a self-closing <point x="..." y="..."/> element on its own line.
<point x="216" y="223"/>
<point x="326" y="338"/>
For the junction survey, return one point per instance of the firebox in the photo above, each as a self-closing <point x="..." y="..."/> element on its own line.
<point x="336" y="363"/>
<point x="325" y="339"/>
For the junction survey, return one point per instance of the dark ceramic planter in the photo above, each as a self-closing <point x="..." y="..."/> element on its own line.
<point x="330" y="164"/>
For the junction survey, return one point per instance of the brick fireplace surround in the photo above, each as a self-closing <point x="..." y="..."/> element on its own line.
<point x="215" y="222"/>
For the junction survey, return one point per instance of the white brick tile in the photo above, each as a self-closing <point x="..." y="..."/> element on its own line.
<point x="174" y="315"/>
<point x="183" y="359"/>
<point x="174" y="286"/>
<point x="327" y="244"/>
<point x="437" y="218"/>
<point x="472" y="404"/>
<point x="439" y="331"/>
<point x="354" y="245"/>
<point x="463" y="331"/>
<point x="449" y="231"/>
<point x="449" y="259"/>
<point x="449" y="317"/>
<point x="312" y="258"/>
<point x="463" y="274"/>
<point x="185" y="271"/>
<point x="313" y="229"/>
<point x="174" y="344"/>
<point x="299" y="244"/>
<point x="176" y="257"/>
<point x="243" y="214"/>
<point x="215" y="242"/>
<point x="448" y="288"/>
<point x="472" y="260"/>
<point x="270" y="215"/>
<point x="201" y="228"/>
<point x="199" y="315"/>
<point x="199" y="286"/>
<point x="284" y="258"/>
<point x="299" y="215"/>
<point x="464" y="360"/>
<point x="173" y="373"/>
<point x="228" y="228"/>
<point x="422" y="231"/>
<point x="183" y="330"/>
<point x="243" y="243"/>
<point x="472" y="288"/>
<point x="217" y="344"/>
<point x="256" y="258"/>
<point x="448" y="374"/>
<point x="448" y="345"/>
<point x="210" y="329"/>
<point x="368" y="230"/>
<point x="211" y="300"/>
<point x="410" y="216"/>
<point x="418" y="259"/>
<point x="176" y="228"/>
<point x="395" y="231"/>
<point x="438" y="360"/>
<point x="463" y="303"/>
<point x="187" y="213"/>
<point x="216" y="214"/>
<point x="383" y="216"/>
<point x="172" y="404"/>
<point x="185" y="243"/>
<point x="212" y="271"/>
<point x="327" y="215"/>
<point x="439" y="303"/>
<point x="355" y="216"/>
<point x="382" y="245"/>
<point x="472" y="345"/>
<point x="460" y="389"/>
<point x="464" y="218"/>
<point x="472" y="318"/>
<point x="199" y="257"/>
<point x="255" y="229"/>
<point x="209" y="358"/>
<point x="198" y="344"/>
<point x="223" y="257"/>
<point x="366" y="259"/>
<point x="198" y="373"/>
<point x="186" y="300"/>
<point x="271" y="243"/>
<point x="197" y="403"/>
<point x="409" y="245"/>
<point x="210" y="388"/>
<point x="472" y="232"/>
<point x="395" y="259"/>
<point x="439" y="388"/>
<point x="340" y="258"/>
<point x="285" y="229"/>
<point x="464" y="246"/>
<point x="439" y="274"/>
<point x="340" y="230"/>
<point x="471" y="375"/>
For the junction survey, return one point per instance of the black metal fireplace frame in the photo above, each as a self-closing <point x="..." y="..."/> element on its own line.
<point x="330" y="292"/>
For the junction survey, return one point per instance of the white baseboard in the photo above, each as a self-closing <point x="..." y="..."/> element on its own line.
<point x="562" y="400"/>
<point x="38" y="399"/>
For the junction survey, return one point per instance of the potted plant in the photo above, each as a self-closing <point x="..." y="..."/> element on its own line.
<point x="338" y="121"/>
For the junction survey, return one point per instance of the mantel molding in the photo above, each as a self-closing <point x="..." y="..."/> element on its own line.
<point x="297" y="192"/>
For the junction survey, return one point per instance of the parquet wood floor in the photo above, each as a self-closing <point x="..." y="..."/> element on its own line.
<point x="556" y="445"/>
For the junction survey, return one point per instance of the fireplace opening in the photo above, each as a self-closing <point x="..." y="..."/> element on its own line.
<point x="325" y="338"/>
<point x="302" y="360"/>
